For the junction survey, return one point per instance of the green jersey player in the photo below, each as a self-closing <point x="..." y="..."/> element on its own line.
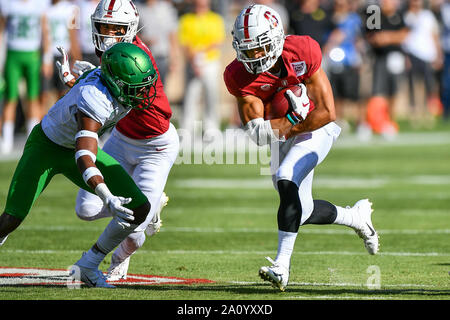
<point x="66" y="142"/>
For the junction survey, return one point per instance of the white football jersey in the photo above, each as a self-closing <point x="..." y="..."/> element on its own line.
<point x="60" y="16"/>
<point x="89" y="96"/>
<point x="24" y="23"/>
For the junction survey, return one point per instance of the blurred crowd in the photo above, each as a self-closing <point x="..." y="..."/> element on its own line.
<point x="386" y="59"/>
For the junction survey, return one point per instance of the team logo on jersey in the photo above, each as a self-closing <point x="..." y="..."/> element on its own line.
<point x="266" y="87"/>
<point x="299" y="68"/>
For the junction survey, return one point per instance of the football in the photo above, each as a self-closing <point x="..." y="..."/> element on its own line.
<point x="279" y="106"/>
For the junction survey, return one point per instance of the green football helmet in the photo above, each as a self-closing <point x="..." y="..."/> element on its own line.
<point x="128" y="72"/>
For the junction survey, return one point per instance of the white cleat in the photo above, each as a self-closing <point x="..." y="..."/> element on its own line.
<point x="117" y="270"/>
<point x="93" y="278"/>
<point x="277" y="274"/>
<point x="366" y="231"/>
<point x="155" y="225"/>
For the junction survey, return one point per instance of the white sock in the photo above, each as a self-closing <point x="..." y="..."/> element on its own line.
<point x="286" y="241"/>
<point x="8" y="132"/>
<point x="30" y="124"/>
<point x="346" y="217"/>
<point x="91" y="259"/>
<point x="130" y="245"/>
<point x="111" y="237"/>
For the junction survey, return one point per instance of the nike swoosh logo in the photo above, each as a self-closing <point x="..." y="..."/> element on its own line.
<point x="305" y="104"/>
<point x="373" y="231"/>
<point x="160" y="149"/>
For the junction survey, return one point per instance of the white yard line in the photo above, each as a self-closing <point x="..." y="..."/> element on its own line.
<point x="319" y="181"/>
<point x="235" y="252"/>
<point x="344" y="231"/>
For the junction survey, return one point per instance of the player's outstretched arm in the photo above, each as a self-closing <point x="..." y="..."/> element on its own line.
<point x="319" y="90"/>
<point x="86" y="145"/>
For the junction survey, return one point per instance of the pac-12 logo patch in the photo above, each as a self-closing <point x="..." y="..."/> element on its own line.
<point x="299" y="68"/>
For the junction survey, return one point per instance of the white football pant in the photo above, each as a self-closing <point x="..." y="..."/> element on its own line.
<point x="296" y="158"/>
<point x="147" y="161"/>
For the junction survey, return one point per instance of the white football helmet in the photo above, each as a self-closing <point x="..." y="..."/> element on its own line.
<point x="116" y="12"/>
<point x="258" y="26"/>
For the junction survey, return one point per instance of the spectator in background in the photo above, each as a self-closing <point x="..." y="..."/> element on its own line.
<point x="27" y="33"/>
<point x="201" y="34"/>
<point x="158" y="25"/>
<point x="61" y="17"/>
<point x="423" y="49"/>
<point x="344" y="60"/>
<point x="83" y="22"/>
<point x="310" y="19"/>
<point x="278" y="7"/>
<point x="385" y="41"/>
<point x="445" y="76"/>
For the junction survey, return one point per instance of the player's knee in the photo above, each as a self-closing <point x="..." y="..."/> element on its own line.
<point x="136" y="239"/>
<point x="87" y="211"/>
<point x="284" y="173"/>
<point x="140" y="213"/>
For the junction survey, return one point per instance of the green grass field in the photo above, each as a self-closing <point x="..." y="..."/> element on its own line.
<point x="220" y="223"/>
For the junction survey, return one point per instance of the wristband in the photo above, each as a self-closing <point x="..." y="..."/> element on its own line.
<point x="90" y="172"/>
<point x="292" y="117"/>
<point x="86" y="134"/>
<point x="102" y="191"/>
<point x="84" y="152"/>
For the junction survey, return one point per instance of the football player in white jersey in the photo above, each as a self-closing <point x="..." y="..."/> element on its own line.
<point x="146" y="143"/>
<point x="26" y="28"/>
<point x="66" y="142"/>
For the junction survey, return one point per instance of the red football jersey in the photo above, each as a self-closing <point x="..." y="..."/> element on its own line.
<point x="302" y="57"/>
<point x="152" y="122"/>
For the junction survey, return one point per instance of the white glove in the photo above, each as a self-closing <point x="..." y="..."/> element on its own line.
<point x="80" y="67"/>
<point x="64" y="68"/>
<point x="300" y="104"/>
<point x="123" y="215"/>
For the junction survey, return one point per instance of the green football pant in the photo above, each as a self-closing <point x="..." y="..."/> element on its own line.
<point x="42" y="159"/>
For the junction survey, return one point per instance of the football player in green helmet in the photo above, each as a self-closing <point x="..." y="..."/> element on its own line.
<point x="69" y="132"/>
<point x="129" y="74"/>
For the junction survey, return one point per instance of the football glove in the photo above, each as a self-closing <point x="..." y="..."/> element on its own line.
<point x="124" y="216"/>
<point x="300" y="105"/>
<point x="64" y="67"/>
<point x="80" y="67"/>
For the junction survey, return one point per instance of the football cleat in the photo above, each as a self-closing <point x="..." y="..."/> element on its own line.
<point x="118" y="269"/>
<point x="93" y="278"/>
<point x="155" y="225"/>
<point x="277" y="274"/>
<point x="365" y="230"/>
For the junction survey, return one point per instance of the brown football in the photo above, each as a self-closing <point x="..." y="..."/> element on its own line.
<point x="279" y="106"/>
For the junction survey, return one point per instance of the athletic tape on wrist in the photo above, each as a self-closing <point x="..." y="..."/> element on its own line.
<point x="86" y="134"/>
<point x="84" y="152"/>
<point x="90" y="172"/>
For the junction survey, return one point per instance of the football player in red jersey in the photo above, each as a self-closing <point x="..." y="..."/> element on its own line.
<point x="145" y="143"/>
<point x="268" y="61"/>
